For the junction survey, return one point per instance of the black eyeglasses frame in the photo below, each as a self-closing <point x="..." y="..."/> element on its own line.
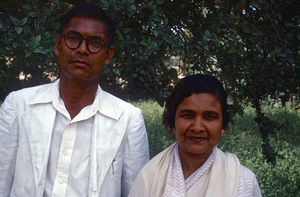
<point x="87" y="40"/>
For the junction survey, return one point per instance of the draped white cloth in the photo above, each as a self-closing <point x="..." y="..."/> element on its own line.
<point x="220" y="175"/>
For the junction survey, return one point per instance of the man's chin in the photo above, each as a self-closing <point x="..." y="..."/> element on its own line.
<point x="79" y="77"/>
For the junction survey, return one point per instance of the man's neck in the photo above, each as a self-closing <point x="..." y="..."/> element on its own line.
<point x="77" y="94"/>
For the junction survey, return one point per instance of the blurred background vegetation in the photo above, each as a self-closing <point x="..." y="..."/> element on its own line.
<point x="252" y="46"/>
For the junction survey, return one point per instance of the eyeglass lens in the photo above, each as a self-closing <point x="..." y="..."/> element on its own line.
<point x="74" y="39"/>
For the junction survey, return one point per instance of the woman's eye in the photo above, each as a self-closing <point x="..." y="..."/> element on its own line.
<point x="187" y="115"/>
<point x="211" y="116"/>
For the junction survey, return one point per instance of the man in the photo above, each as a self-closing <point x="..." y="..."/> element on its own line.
<point x="71" y="138"/>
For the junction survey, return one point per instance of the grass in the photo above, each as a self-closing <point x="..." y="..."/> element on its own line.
<point x="243" y="139"/>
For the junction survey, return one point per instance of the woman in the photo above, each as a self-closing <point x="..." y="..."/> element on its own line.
<point x="196" y="112"/>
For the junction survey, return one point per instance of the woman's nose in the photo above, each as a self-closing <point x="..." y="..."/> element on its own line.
<point x="198" y="124"/>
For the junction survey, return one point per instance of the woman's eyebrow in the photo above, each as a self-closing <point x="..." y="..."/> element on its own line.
<point x="186" y="111"/>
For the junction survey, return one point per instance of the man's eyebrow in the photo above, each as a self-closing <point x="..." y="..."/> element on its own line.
<point x="73" y="32"/>
<point x="79" y="34"/>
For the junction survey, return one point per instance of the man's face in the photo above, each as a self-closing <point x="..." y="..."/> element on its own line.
<point x="80" y="63"/>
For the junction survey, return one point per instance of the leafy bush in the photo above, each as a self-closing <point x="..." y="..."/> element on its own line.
<point x="243" y="139"/>
<point x="159" y="138"/>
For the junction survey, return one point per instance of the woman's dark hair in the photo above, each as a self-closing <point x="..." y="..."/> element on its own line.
<point x="198" y="83"/>
<point x="91" y="11"/>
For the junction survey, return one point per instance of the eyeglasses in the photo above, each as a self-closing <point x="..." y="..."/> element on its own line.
<point x="94" y="44"/>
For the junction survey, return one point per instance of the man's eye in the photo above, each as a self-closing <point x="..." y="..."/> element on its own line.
<point x="73" y="38"/>
<point x="95" y="42"/>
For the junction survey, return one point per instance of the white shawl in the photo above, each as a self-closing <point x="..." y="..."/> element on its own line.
<point x="220" y="179"/>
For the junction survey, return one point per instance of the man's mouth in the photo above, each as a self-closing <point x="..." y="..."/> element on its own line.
<point x="80" y="62"/>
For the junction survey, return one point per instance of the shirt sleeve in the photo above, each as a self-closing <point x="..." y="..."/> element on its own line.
<point x="136" y="153"/>
<point x="8" y="144"/>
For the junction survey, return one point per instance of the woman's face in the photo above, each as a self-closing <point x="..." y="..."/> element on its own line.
<point x="198" y="124"/>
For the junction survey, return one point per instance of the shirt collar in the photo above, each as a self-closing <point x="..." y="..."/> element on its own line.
<point x="49" y="93"/>
<point x="104" y="103"/>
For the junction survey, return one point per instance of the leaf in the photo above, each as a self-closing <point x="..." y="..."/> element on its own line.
<point x="36" y="41"/>
<point x="27" y="54"/>
<point x="15" y="45"/>
<point x="246" y="30"/>
<point x="290" y="60"/>
<point x="120" y="35"/>
<point x="257" y="33"/>
<point x="159" y="2"/>
<point x="14" y="20"/>
<point x="22" y="22"/>
<point x="142" y="72"/>
<point x="126" y="30"/>
<point x="207" y="33"/>
<point x="133" y="7"/>
<point x="18" y="29"/>
<point x="231" y="50"/>
<point x="37" y="50"/>
<point x="143" y="43"/>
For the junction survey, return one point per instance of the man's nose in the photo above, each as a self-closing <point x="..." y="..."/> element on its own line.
<point x="83" y="47"/>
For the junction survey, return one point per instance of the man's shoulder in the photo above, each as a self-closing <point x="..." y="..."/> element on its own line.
<point x="31" y="90"/>
<point x="119" y="103"/>
<point x="26" y="95"/>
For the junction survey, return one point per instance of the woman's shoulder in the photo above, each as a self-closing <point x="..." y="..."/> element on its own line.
<point x="246" y="172"/>
<point x="248" y="185"/>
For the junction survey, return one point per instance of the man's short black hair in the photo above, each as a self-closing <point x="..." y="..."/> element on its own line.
<point x="198" y="83"/>
<point x="91" y="11"/>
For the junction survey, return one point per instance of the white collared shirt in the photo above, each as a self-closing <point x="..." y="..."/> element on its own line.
<point x="68" y="164"/>
<point x="28" y="120"/>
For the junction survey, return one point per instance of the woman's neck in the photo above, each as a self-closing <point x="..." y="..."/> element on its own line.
<point x="191" y="162"/>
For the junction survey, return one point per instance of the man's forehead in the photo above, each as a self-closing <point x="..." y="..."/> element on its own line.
<point x="86" y="24"/>
<point x="85" y="19"/>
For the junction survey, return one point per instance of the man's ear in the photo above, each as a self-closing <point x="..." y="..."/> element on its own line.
<point x="57" y="44"/>
<point x="109" y="54"/>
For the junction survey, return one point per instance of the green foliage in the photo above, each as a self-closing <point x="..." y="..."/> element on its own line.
<point x="242" y="138"/>
<point x="159" y="138"/>
<point x="27" y="43"/>
<point x="142" y="48"/>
